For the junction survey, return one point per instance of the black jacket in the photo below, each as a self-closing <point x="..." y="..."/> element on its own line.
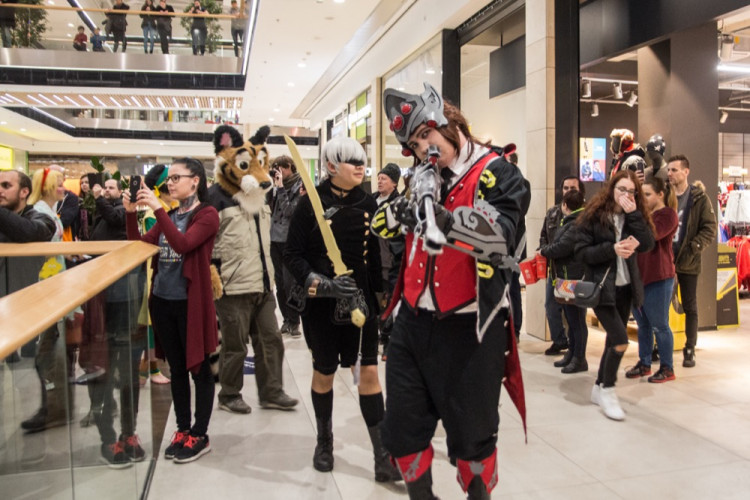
<point x="350" y="219"/>
<point x="595" y="249"/>
<point x="109" y="223"/>
<point x="26" y="227"/>
<point x="561" y="252"/>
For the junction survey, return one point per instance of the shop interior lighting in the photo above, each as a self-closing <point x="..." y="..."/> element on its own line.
<point x="71" y="101"/>
<point x="150" y="105"/>
<point x="42" y="96"/>
<point x="724" y="116"/>
<point x="35" y="100"/>
<point x="734" y="68"/>
<point x="632" y="99"/>
<point x="174" y="101"/>
<point x="586" y="91"/>
<point x="617" y="90"/>
<point x="115" y="101"/>
<point x="727" y="45"/>
<point x="57" y="97"/>
<point x="595" y="109"/>
<point x="83" y="99"/>
<point x="100" y="102"/>
<point x="161" y="103"/>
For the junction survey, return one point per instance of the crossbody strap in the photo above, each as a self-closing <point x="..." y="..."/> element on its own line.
<point x="601" y="283"/>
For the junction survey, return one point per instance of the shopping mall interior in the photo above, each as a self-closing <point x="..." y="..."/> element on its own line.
<point x="553" y="77"/>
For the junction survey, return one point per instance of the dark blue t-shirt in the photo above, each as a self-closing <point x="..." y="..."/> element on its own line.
<point x="170" y="283"/>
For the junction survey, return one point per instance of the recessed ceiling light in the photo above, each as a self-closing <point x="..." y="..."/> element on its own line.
<point x="276" y="110"/>
<point x="290" y="84"/>
<point x="70" y="36"/>
<point x="270" y="119"/>
<point x="3" y="123"/>
<point x="70" y="25"/>
<point x="301" y="65"/>
<point x="161" y="144"/>
<point x="339" y="1"/>
<point x="105" y="142"/>
<point x="23" y="130"/>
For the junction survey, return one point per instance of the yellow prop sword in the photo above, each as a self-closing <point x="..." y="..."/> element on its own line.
<point x="339" y="268"/>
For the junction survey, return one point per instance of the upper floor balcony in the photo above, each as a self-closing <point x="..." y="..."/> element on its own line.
<point x="98" y="43"/>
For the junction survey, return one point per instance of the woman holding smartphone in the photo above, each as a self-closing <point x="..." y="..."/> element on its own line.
<point x="613" y="226"/>
<point x="181" y="299"/>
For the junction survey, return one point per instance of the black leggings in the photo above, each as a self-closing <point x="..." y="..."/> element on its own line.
<point x="169" y="319"/>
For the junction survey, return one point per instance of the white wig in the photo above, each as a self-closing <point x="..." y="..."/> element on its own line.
<point x="343" y="150"/>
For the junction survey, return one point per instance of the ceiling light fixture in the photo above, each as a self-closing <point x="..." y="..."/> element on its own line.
<point x="290" y="84"/>
<point x="96" y="98"/>
<point x="115" y="101"/>
<point x="57" y="97"/>
<point x="174" y="101"/>
<point x="632" y="99"/>
<point x="195" y="100"/>
<point x="301" y="65"/>
<point x="724" y="116"/>
<point x="161" y="103"/>
<point x="148" y="102"/>
<point x="595" y="109"/>
<point x="127" y="102"/>
<point x="71" y="101"/>
<point x="53" y="117"/>
<point x="586" y="90"/>
<point x="19" y="101"/>
<point x="83" y="99"/>
<point x="35" y="99"/>
<point x="617" y="90"/>
<point x="734" y="68"/>
<point x="53" y="103"/>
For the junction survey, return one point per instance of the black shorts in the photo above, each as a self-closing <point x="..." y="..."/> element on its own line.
<point x="333" y="345"/>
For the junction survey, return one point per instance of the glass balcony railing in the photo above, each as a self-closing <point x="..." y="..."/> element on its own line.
<point x="82" y="36"/>
<point x="70" y="346"/>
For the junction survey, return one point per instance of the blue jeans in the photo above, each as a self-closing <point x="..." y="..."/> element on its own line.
<point x="149" y="34"/>
<point x="554" y="313"/>
<point x="653" y="319"/>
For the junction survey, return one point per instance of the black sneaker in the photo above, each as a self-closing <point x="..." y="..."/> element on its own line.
<point x="639" y="370"/>
<point x="193" y="448"/>
<point x="114" y="455"/>
<point x="133" y="448"/>
<point x="294" y="331"/>
<point x="688" y="357"/>
<point x="663" y="375"/>
<point x="178" y="440"/>
<point x="556" y="349"/>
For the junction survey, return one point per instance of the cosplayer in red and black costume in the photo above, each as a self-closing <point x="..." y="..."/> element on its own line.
<point x="627" y="154"/>
<point x="452" y="342"/>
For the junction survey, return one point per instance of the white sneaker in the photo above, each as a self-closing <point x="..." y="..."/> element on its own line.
<point x="595" y="398"/>
<point x="610" y="404"/>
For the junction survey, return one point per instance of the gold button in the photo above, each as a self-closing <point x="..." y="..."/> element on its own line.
<point x="419" y="281"/>
<point x="365" y="252"/>
<point x="367" y="224"/>
<point x="421" y="265"/>
<point x="367" y="216"/>
<point x="436" y="268"/>
<point x="437" y="284"/>
<point x="367" y="232"/>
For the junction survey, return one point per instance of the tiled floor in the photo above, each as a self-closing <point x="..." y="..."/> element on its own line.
<point x="687" y="439"/>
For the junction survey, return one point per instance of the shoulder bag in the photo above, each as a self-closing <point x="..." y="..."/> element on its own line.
<point x="579" y="292"/>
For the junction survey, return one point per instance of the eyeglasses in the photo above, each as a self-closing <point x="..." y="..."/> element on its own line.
<point x="278" y="165"/>
<point x="175" y="178"/>
<point x="623" y="190"/>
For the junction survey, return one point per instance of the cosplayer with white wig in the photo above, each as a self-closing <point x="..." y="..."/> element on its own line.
<point x="325" y="299"/>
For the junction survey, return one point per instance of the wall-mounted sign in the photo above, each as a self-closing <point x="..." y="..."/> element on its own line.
<point x="593" y="157"/>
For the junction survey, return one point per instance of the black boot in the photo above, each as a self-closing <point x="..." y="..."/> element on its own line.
<point x="688" y="357"/>
<point x="323" y="456"/>
<point x="384" y="469"/>
<point x="576" y="365"/>
<point x="565" y="359"/>
<point x="421" y="489"/>
<point x="477" y="490"/>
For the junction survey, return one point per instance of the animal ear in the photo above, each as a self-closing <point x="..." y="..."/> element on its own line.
<point x="226" y="136"/>
<point x="261" y="135"/>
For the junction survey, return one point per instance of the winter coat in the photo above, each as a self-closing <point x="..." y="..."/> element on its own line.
<point x="699" y="232"/>
<point x="28" y="226"/>
<point x="562" y="250"/>
<point x="284" y="201"/>
<point x="595" y="249"/>
<point x="109" y="223"/>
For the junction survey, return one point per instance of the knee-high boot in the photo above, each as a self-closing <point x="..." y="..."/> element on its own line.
<point x="478" y="477"/>
<point x="417" y="473"/>
<point x="384" y="469"/>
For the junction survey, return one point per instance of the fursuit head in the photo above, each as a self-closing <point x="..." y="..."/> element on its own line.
<point x="241" y="168"/>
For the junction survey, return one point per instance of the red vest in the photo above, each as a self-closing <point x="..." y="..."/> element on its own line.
<point x="452" y="275"/>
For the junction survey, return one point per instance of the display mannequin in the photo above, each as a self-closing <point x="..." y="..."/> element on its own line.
<point x="655" y="150"/>
<point x="628" y="155"/>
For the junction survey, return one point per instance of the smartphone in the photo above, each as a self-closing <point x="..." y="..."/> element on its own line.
<point x="95" y="179"/>
<point x="135" y="185"/>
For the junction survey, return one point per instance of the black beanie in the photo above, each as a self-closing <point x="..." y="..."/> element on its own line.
<point x="393" y="171"/>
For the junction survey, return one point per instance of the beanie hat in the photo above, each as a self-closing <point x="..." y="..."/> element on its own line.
<point x="393" y="171"/>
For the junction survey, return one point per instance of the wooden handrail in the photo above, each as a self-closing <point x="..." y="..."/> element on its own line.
<point x="60" y="248"/>
<point x="31" y="310"/>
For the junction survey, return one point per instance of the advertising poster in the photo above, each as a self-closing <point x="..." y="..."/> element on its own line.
<point x="592" y="164"/>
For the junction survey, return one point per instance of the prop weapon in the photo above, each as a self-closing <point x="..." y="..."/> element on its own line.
<point x="426" y="189"/>
<point x="339" y="268"/>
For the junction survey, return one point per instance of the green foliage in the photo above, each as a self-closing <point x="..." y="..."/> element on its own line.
<point x="212" y="25"/>
<point x="30" y="25"/>
<point x="96" y="164"/>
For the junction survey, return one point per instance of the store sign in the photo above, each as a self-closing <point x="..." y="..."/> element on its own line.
<point x="592" y="162"/>
<point x="6" y="158"/>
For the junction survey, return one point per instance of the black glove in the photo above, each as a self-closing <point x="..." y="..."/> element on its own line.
<point x="340" y="287"/>
<point x="443" y="218"/>
<point x="402" y="213"/>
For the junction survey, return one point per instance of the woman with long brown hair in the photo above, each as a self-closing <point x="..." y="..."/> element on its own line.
<point x="614" y="226"/>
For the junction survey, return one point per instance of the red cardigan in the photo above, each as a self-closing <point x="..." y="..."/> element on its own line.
<point x="658" y="263"/>
<point x="195" y="246"/>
